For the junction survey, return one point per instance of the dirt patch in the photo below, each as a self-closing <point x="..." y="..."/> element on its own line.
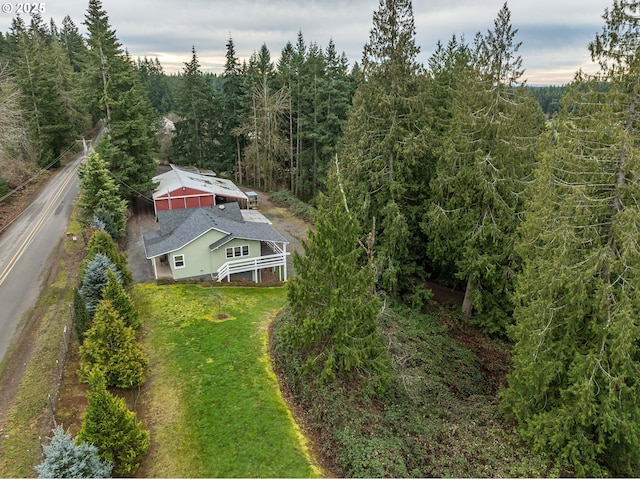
<point x="444" y="295"/>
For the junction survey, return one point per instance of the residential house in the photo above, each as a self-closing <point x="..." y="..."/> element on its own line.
<point x="220" y="241"/>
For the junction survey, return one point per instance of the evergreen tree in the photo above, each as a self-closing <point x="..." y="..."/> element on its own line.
<point x="102" y="242"/>
<point x="110" y="347"/>
<point x="196" y="135"/>
<point x="113" y="429"/>
<point x="129" y="146"/>
<point x="383" y="141"/>
<point x="102" y="220"/>
<point x="64" y="458"/>
<point x="287" y="76"/>
<point x="98" y="192"/>
<point x="103" y="62"/>
<point x="113" y="92"/>
<point x="335" y="100"/>
<point x="121" y="301"/>
<point x="81" y="316"/>
<point x="488" y="155"/>
<point x="334" y="310"/>
<point x="155" y="83"/>
<point x="268" y="148"/>
<point x="311" y="118"/>
<point x="73" y="44"/>
<point x="232" y="115"/>
<point x="95" y="279"/>
<point x="575" y="386"/>
<point x="48" y="116"/>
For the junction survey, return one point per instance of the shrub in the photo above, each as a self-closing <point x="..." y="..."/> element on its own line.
<point x="298" y="207"/>
<point x="113" y="429"/>
<point x="64" y="458"/>
<point x="102" y="242"/>
<point x="110" y="347"/>
<point x="121" y="301"/>
<point x="81" y="317"/>
<point x="95" y="279"/>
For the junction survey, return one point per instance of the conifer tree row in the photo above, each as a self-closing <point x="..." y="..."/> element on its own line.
<point x="112" y="89"/>
<point x="488" y="155"/>
<point x="575" y="384"/>
<point x="383" y="142"/>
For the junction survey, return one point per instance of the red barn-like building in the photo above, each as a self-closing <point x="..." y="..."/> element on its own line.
<point x="181" y="188"/>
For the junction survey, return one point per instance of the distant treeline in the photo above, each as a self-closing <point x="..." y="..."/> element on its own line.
<point x="549" y="97"/>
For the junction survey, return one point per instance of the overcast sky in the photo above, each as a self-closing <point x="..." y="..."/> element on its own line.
<point x="554" y="33"/>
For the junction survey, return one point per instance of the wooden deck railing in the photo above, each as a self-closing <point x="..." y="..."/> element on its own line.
<point x="250" y="264"/>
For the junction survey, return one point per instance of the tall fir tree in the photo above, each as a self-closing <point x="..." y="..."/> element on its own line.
<point x="72" y="43"/>
<point x="98" y="191"/>
<point x="383" y="142"/>
<point x="268" y="148"/>
<point x="233" y="113"/>
<point x="575" y="386"/>
<point x="36" y="52"/>
<point x="333" y="306"/>
<point x="489" y="152"/>
<point x="196" y="135"/>
<point x="113" y="92"/>
<point x="129" y="146"/>
<point x="287" y="75"/>
<point x="155" y="83"/>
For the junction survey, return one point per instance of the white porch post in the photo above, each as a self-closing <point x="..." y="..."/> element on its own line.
<point x="284" y="249"/>
<point x="155" y="268"/>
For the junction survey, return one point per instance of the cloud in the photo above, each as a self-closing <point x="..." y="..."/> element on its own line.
<point x="554" y="33"/>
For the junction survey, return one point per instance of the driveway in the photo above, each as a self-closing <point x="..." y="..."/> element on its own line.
<point x="290" y="226"/>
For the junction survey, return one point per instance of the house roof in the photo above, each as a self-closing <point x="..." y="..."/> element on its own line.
<point x="178" y="228"/>
<point x="207" y="182"/>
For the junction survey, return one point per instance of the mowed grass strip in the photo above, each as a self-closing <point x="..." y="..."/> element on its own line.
<point x="213" y="403"/>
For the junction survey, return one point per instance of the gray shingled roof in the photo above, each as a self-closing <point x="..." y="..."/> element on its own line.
<point x="180" y="227"/>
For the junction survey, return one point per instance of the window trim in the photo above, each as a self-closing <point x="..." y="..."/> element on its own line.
<point x="175" y="261"/>
<point x="240" y="251"/>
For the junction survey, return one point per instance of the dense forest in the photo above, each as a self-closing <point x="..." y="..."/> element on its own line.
<point x="456" y="172"/>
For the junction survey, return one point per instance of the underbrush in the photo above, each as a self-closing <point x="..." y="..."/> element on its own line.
<point x="298" y="207"/>
<point x="439" y="418"/>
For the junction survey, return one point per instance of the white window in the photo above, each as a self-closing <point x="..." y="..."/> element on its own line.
<point x="237" y="251"/>
<point x="178" y="261"/>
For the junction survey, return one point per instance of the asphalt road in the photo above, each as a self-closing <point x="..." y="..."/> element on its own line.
<point x="26" y="250"/>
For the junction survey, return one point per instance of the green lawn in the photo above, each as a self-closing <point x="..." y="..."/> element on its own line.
<point x="213" y="403"/>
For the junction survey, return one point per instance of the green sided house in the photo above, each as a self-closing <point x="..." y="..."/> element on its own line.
<point x="219" y="242"/>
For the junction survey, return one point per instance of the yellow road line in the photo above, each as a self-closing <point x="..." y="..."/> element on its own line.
<point x="25" y="244"/>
